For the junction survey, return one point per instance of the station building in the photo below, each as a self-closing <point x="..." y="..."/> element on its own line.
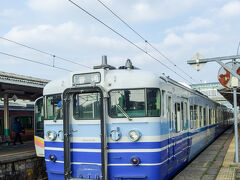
<point x="212" y="90"/>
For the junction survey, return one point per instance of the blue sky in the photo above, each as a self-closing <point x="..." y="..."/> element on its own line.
<point x="178" y="29"/>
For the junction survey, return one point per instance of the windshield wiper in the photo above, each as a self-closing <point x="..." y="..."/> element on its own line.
<point x="124" y="112"/>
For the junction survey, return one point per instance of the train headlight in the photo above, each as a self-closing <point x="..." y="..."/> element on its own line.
<point x="116" y="134"/>
<point x="134" y="135"/>
<point x="51" y="135"/>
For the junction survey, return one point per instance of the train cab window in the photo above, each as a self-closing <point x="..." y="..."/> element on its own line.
<point x="178" y="117"/>
<point x="86" y="106"/>
<point x="38" y="118"/>
<point x="54" y="110"/>
<point x="135" y="103"/>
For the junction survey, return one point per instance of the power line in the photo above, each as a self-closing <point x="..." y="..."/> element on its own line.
<point x="145" y="40"/>
<point x="30" y="60"/>
<point x="44" y="52"/>
<point x="138" y="47"/>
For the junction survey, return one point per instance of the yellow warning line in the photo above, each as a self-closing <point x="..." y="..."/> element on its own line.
<point x="16" y="153"/>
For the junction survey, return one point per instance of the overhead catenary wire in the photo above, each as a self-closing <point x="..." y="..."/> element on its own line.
<point x="144" y="39"/>
<point x="44" y="52"/>
<point x="116" y="32"/>
<point x="36" y="62"/>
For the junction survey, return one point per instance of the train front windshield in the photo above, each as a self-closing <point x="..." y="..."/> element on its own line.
<point x="135" y="103"/>
<point x="86" y="106"/>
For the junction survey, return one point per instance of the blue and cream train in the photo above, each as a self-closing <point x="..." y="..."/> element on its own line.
<point x="122" y="124"/>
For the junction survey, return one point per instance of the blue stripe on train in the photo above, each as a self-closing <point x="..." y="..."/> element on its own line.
<point x="114" y="158"/>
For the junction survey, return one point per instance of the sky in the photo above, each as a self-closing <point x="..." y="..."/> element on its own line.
<point x="178" y="29"/>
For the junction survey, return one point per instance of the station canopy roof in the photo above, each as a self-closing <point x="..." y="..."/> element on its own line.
<point x="23" y="87"/>
<point x="228" y="95"/>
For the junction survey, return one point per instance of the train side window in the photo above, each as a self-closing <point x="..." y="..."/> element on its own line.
<point x="210" y="116"/>
<point x="53" y="104"/>
<point x="200" y="116"/>
<point x="1" y="125"/>
<point x="169" y="112"/>
<point x="184" y="115"/>
<point x="26" y="121"/>
<point x="196" y="116"/>
<point x="163" y="102"/>
<point x="178" y="117"/>
<point x="191" y="117"/>
<point x="185" y="109"/>
<point x="153" y="103"/>
<point x="204" y="117"/>
<point x="214" y="116"/>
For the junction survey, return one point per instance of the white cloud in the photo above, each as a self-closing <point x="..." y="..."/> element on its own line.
<point x="46" y="32"/>
<point x="195" y="38"/>
<point x="143" y="12"/>
<point x="135" y="11"/>
<point x="9" y="12"/>
<point x="195" y="24"/>
<point x="48" y="5"/>
<point x="230" y="9"/>
<point x="172" y="39"/>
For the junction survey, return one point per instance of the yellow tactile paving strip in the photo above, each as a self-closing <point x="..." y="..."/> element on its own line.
<point x="226" y="173"/>
<point x="228" y="169"/>
<point x="229" y="158"/>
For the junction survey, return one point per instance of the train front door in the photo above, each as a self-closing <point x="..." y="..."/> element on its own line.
<point x="85" y="152"/>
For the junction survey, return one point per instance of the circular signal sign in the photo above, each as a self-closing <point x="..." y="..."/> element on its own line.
<point x="225" y="77"/>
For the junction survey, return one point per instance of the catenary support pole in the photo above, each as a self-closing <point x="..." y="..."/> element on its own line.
<point x="235" y="123"/>
<point x="6" y="117"/>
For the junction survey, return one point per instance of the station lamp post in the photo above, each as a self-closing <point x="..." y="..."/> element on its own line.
<point x="198" y="61"/>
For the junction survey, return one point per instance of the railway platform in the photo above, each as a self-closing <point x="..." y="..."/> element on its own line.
<point x="215" y="162"/>
<point x="20" y="162"/>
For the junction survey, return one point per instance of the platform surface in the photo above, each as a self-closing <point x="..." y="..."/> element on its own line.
<point x="17" y="152"/>
<point x="215" y="162"/>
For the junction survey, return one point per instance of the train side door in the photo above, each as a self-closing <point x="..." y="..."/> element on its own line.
<point x="85" y="134"/>
<point x="170" y="135"/>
